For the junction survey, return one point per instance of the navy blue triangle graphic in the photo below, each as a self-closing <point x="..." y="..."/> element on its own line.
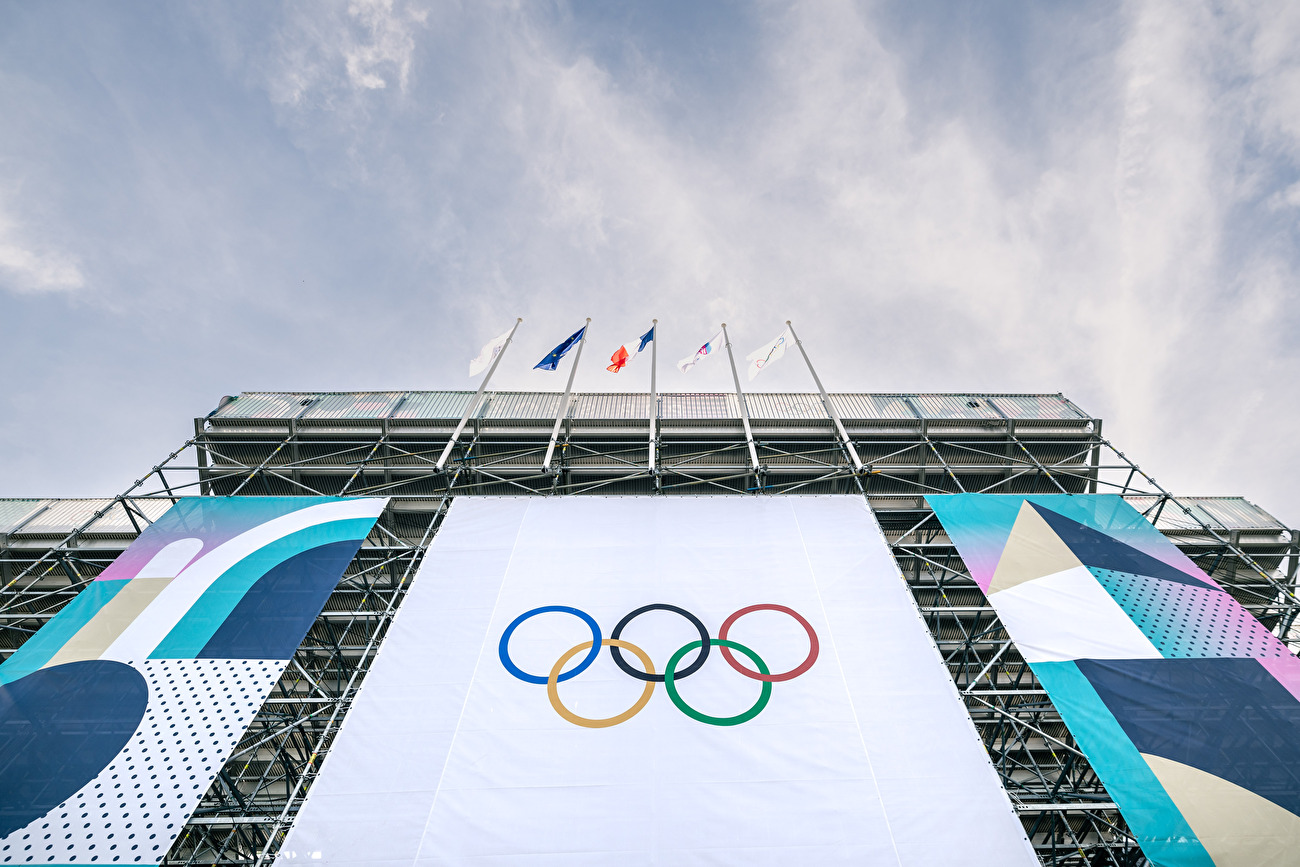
<point x="1227" y="717"/>
<point x="1095" y="548"/>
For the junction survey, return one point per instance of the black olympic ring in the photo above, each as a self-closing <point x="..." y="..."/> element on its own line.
<point x="622" y="663"/>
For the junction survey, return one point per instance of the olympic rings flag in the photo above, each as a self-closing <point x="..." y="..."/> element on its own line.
<point x="658" y="680"/>
<point x="671" y="674"/>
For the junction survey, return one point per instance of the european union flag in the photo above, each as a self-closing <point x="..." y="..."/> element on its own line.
<point x="552" y="360"/>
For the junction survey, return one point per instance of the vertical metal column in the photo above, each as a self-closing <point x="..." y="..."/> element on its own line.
<point x="469" y="407"/>
<point x="740" y="395"/>
<point x="564" y="401"/>
<point x="826" y="402"/>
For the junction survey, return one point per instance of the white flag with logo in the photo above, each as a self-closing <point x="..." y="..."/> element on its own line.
<point x="488" y="353"/>
<point x="691" y="360"/>
<point x="767" y="353"/>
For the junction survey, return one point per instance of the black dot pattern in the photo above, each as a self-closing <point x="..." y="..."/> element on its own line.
<point x="130" y="814"/>
<point x="1186" y="622"/>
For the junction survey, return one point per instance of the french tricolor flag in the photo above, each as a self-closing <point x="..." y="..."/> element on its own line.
<point x="625" y="352"/>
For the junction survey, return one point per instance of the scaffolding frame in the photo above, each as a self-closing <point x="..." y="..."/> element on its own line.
<point x="244" y="816"/>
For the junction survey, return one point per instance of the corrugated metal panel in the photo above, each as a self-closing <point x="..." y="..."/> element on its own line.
<point x="433" y="404"/>
<point x="1236" y="513"/>
<point x="612" y="406"/>
<point x="264" y="404"/>
<point x="780" y="407"/>
<point x="872" y="406"/>
<point x="1171" y="517"/>
<point x="353" y="404"/>
<point x="14" y="512"/>
<point x="954" y="406"/>
<point x="521" y="405"/>
<point x="64" y="516"/>
<point x="1035" y="406"/>
<point x="535" y="405"/>
<point x="702" y="406"/>
<point x="115" y="520"/>
<point x="1220" y="513"/>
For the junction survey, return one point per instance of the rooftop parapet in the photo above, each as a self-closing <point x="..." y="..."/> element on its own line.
<point x="633" y="406"/>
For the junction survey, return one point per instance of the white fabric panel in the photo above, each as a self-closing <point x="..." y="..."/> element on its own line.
<point x="867" y="758"/>
<point x="1096" y="628"/>
<point x="377" y="785"/>
<point x="929" y="761"/>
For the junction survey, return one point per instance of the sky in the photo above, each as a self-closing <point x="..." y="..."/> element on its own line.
<point x="1100" y="199"/>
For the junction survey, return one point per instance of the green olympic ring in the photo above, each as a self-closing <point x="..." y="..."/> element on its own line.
<point x="670" y="673"/>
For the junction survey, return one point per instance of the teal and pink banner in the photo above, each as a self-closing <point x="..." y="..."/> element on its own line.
<point x="1186" y="706"/>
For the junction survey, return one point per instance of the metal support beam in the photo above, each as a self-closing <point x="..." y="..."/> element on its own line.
<point x="826" y="403"/>
<point x="473" y="403"/>
<point x="651" y="462"/>
<point x="563" y="409"/>
<point x="744" y="408"/>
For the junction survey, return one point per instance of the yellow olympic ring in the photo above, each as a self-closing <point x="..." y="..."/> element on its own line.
<point x="553" y="687"/>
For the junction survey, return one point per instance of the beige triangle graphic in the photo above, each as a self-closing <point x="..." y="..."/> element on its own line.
<point x="1237" y="827"/>
<point x="92" y="639"/>
<point x="1032" y="551"/>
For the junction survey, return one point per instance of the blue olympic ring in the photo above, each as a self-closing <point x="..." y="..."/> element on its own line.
<point x="503" y="649"/>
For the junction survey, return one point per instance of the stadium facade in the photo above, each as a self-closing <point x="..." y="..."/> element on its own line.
<point x="896" y="451"/>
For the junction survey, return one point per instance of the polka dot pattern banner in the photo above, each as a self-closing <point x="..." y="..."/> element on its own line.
<point x="120" y="712"/>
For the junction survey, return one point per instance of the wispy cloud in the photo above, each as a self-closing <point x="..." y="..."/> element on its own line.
<point x="1101" y="256"/>
<point x="326" y="51"/>
<point x="1097" y="199"/>
<point x="28" y="264"/>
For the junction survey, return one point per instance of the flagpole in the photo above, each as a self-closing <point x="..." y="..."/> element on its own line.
<point x="744" y="410"/>
<point x="469" y="407"/>
<point x="654" y="394"/>
<point x="564" y="401"/>
<point x="826" y="402"/>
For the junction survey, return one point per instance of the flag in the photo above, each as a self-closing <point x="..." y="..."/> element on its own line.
<point x="687" y="363"/>
<point x="488" y="353"/>
<point x="552" y="360"/>
<point x="767" y="353"/>
<point x="625" y="352"/>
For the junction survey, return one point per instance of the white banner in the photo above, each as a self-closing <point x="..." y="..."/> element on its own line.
<point x="820" y="728"/>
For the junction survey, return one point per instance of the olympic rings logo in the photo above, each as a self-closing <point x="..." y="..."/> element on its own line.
<point x="647" y="671"/>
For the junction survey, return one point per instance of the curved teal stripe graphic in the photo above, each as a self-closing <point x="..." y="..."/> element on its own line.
<point x="49" y="639"/>
<point x="1162" y="832"/>
<point x="280" y="608"/>
<point x="215" y="520"/>
<point x="188" y="637"/>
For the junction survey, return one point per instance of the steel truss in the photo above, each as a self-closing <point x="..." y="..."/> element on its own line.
<point x="244" y="816"/>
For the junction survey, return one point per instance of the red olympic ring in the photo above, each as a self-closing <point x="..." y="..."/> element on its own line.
<point x="813" y="646"/>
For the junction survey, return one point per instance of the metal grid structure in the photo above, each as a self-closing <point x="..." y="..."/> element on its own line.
<point x="387" y="443"/>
